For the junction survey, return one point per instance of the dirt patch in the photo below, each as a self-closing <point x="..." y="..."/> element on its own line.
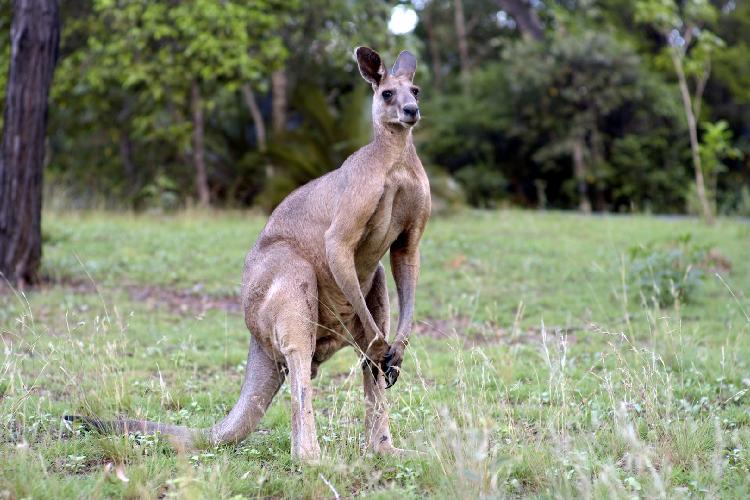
<point x="474" y="333"/>
<point x="183" y="301"/>
<point x="179" y="301"/>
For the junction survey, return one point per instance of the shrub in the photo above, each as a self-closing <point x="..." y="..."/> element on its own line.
<point x="447" y="195"/>
<point x="483" y="184"/>
<point x="669" y="273"/>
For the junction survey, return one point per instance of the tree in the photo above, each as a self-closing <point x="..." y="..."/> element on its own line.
<point x="35" y="39"/>
<point x="582" y="114"/>
<point x="137" y="61"/>
<point x="317" y="75"/>
<point x="524" y="13"/>
<point x="166" y="66"/>
<point x="321" y="143"/>
<point x="433" y="45"/>
<point x="478" y="33"/>
<point x="690" y="47"/>
<point x="463" y="44"/>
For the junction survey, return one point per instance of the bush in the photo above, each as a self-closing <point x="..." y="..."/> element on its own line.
<point x="447" y="195"/>
<point x="483" y="184"/>
<point x="161" y="194"/>
<point x="527" y="110"/>
<point x="670" y="273"/>
<point x="737" y="202"/>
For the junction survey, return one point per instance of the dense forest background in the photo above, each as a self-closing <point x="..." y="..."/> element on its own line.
<point x="560" y="104"/>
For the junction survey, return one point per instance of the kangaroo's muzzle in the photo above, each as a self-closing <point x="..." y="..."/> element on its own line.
<point x="410" y="114"/>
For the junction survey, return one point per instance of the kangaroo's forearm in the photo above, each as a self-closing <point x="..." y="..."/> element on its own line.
<point x="341" y="263"/>
<point x="405" y="267"/>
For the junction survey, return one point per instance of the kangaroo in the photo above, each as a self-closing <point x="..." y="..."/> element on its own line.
<point x="313" y="282"/>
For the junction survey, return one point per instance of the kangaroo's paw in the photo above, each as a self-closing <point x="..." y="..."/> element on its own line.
<point x="392" y="366"/>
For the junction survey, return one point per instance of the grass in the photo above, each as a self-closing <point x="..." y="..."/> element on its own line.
<point x="535" y="368"/>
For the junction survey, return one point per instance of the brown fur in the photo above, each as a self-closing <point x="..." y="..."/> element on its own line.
<point x="313" y="282"/>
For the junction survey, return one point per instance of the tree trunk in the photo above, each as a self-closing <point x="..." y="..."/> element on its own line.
<point x="463" y="43"/>
<point x="279" y="101"/>
<point x="687" y="105"/>
<point x="525" y="16"/>
<point x="596" y="147"/>
<point x="129" y="170"/>
<point x="434" y="47"/>
<point x="199" y="149"/>
<point x="579" y="172"/>
<point x="700" y="87"/>
<point x="35" y="41"/>
<point x="278" y="107"/>
<point x="252" y="106"/>
<point x="260" y="126"/>
<point x="125" y="142"/>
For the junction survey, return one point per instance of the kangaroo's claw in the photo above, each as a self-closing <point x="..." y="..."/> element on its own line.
<point x="392" y="367"/>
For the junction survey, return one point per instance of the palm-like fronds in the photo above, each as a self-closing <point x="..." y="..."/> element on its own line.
<point x="326" y="136"/>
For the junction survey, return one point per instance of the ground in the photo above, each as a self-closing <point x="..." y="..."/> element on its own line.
<point x="540" y="365"/>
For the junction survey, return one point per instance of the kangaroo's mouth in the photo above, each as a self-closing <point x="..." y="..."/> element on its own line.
<point x="408" y="122"/>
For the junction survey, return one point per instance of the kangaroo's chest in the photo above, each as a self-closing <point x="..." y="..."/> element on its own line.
<point x="404" y="201"/>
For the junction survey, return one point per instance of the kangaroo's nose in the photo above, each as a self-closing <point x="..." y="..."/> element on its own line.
<point x="411" y="110"/>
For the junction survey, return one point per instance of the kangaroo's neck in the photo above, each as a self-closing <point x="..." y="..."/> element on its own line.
<point x="393" y="141"/>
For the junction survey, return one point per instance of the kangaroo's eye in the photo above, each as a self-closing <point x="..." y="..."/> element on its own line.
<point x="387" y="94"/>
<point x="415" y="92"/>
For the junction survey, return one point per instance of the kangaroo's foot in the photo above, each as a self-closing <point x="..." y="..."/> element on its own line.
<point x="387" y="449"/>
<point x="377" y="429"/>
<point x="307" y="454"/>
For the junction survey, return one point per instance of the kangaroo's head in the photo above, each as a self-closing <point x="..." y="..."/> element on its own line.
<point x="396" y="99"/>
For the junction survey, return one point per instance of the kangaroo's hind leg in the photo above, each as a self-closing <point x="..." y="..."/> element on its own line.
<point x="263" y="377"/>
<point x="290" y="317"/>
<point x="377" y="429"/>
<point x="298" y="347"/>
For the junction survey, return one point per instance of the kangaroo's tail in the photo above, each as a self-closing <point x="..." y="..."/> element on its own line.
<point x="185" y="436"/>
<point x="263" y="377"/>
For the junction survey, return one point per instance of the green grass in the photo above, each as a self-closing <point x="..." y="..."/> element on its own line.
<point x="535" y="369"/>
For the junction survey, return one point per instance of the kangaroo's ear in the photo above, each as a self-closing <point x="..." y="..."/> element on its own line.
<point x="405" y="65"/>
<point x="370" y="65"/>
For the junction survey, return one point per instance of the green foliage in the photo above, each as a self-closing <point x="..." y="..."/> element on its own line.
<point x="592" y="76"/>
<point x="734" y="77"/>
<point x="716" y="145"/>
<point x="214" y="43"/>
<point x="716" y="151"/>
<point x="483" y="184"/>
<point x="321" y="35"/>
<point x="137" y="61"/>
<point x="662" y="13"/>
<point x="526" y="111"/>
<point x="669" y="273"/>
<point x="320" y="144"/>
<point x="737" y="202"/>
<point x="160" y="194"/>
<point x="668" y="15"/>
